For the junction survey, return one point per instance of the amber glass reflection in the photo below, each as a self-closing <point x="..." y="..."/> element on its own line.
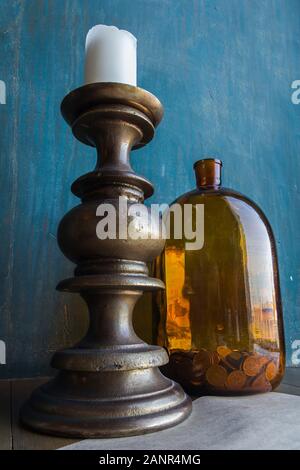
<point x="220" y="316"/>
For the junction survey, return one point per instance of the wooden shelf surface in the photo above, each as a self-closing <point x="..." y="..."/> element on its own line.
<point x="14" y="392"/>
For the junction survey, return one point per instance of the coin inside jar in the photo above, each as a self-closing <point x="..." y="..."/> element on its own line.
<point x="271" y="371"/>
<point x="202" y="359"/>
<point x="251" y="366"/>
<point x="235" y="355"/>
<point x="236" y="380"/>
<point x="234" y="359"/>
<point x="263" y="360"/>
<point x="216" y="376"/>
<point x="223" y="351"/>
<point x="260" y="384"/>
<point x="215" y="358"/>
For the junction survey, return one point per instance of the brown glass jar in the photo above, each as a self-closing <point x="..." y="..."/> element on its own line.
<point x="221" y="314"/>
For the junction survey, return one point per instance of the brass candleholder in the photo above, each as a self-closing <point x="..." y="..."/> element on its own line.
<point x="109" y="384"/>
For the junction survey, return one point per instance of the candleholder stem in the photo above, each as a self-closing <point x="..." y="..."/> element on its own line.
<point x="109" y="384"/>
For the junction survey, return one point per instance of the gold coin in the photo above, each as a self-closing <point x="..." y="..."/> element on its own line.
<point x="251" y="366"/>
<point x="236" y="380"/>
<point x="271" y="371"/>
<point x="216" y="376"/>
<point x="223" y="351"/>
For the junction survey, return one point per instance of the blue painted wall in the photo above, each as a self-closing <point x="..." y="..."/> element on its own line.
<point x="222" y="68"/>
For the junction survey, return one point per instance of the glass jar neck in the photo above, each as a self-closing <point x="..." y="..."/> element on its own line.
<point x="208" y="173"/>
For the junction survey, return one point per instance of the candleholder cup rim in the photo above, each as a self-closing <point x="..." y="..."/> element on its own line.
<point x="86" y="97"/>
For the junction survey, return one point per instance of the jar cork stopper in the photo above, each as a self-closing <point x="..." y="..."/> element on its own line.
<point x="208" y="172"/>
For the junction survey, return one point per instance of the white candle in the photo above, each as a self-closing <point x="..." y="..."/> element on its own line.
<point x="110" y="55"/>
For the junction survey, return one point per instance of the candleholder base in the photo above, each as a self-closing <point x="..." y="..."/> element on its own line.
<point x="107" y="404"/>
<point x="109" y="384"/>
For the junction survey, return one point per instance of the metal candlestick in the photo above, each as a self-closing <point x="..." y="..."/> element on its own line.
<point x="109" y="384"/>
